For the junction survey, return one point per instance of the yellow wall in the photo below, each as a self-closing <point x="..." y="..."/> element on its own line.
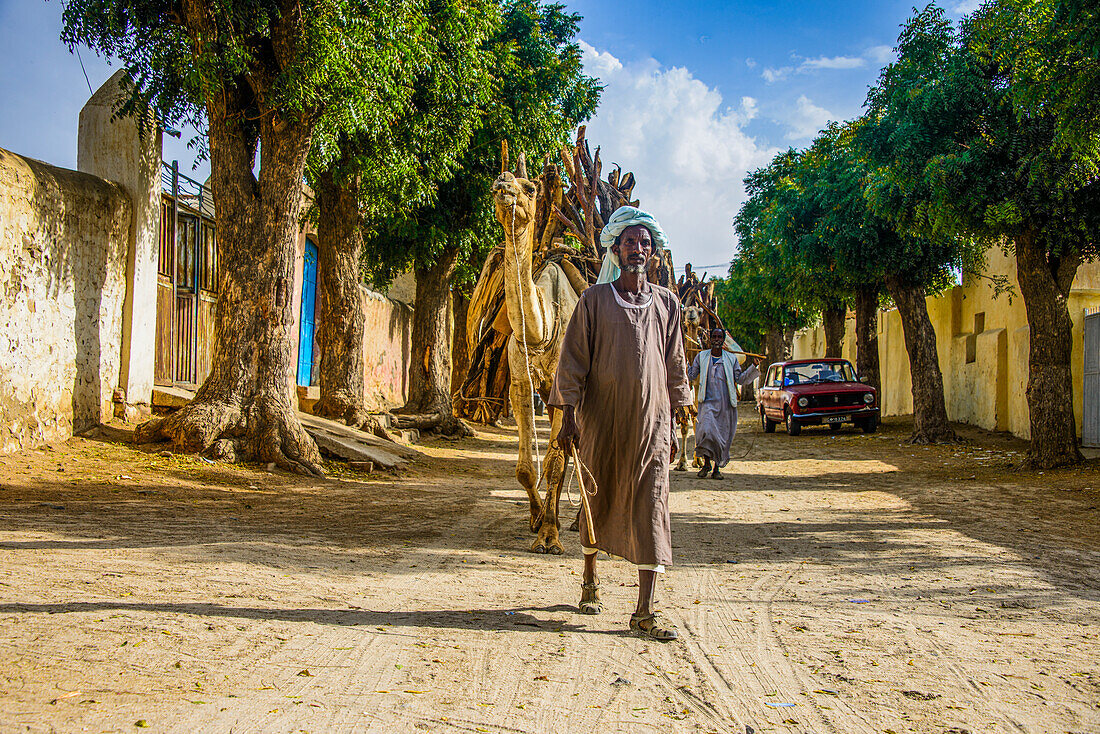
<point x="982" y="342"/>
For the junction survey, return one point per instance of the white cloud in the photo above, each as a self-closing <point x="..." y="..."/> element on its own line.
<point x="964" y="7"/>
<point x="772" y="74"/>
<point x="687" y="148"/>
<point x="877" y="55"/>
<point x="880" y="54"/>
<point x="807" y="119"/>
<point x="599" y="63"/>
<point x="833" y="62"/>
<point x="750" y="62"/>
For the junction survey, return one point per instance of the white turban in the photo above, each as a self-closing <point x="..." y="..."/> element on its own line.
<point x="624" y="218"/>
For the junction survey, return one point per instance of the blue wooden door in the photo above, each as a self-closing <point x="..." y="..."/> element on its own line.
<point x="308" y="320"/>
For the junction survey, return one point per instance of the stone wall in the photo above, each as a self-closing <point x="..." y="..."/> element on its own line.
<point x="983" y="342"/>
<point x="63" y="255"/>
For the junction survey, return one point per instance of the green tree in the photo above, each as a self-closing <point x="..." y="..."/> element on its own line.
<point x="386" y="166"/>
<point x="871" y="250"/>
<point x="759" y="284"/>
<point x="540" y="94"/>
<point x="1053" y="50"/>
<point x="255" y="74"/>
<point x="958" y="156"/>
<point x="794" y="208"/>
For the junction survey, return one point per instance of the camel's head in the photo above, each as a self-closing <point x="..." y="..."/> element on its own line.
<point x="514" y="197"/>
<point x="693" y="316"/>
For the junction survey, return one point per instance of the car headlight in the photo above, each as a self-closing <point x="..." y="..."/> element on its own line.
<point x="803" y="402"/>
<point x="868" y="397"/>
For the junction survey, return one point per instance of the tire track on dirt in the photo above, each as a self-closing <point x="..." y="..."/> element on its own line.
<point x="936" y="648"/>
<point x="344" y="660"/>
<point x="765" y="670"/>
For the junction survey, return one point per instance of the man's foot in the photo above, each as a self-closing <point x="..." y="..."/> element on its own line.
<point x="705" y="470"/>
<point x="653" y="627"/>
<point x="715" y="474"/>
<point x="590" y="598"/>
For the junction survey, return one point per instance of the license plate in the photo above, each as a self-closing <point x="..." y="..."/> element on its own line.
<point x="836" y="418"/>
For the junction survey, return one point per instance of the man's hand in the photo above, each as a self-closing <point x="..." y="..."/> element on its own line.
<point x="569" y="435"/>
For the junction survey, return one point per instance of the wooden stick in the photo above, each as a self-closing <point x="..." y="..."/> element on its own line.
<point x="727" y="349"/>
<point x="579" y="467"/>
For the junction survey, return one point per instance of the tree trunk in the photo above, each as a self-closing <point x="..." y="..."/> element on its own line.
<point x="776" y="348"/>
<point x="247" y="404"/>
<point x="930" y="424"/>
<point x="460" y="351"/>
<point x="341" y="317"/>
<point x="430" y="361"/>
<point x="1045" y="283"/>
<point x="867" y="335"/>
<point x="747" y="391"/>
<point x="833" y="318"/>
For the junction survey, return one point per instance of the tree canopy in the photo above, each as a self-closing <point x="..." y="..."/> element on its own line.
<point x="539" y="94"/>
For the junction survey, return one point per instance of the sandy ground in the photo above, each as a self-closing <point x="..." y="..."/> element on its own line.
<point x="831" y="583"/>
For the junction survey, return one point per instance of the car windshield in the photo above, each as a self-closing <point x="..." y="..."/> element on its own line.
<point x="812" y="373"/>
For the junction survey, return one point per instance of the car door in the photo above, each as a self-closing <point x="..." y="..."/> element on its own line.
<point x="769" y="394"/>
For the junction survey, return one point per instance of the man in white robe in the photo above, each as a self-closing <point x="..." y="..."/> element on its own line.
<point x="717" y="371"/>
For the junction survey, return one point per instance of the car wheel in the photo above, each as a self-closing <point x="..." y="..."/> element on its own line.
<point x="834" y="427"/>
<point x="766" y="423"/>
<point x="793" y="426"/>
<point x="870" y="424"/>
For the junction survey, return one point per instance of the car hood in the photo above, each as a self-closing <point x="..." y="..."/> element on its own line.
<point x="831" y="388"/>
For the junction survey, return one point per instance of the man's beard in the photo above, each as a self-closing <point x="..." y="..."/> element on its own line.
<point x="635" y="268"/>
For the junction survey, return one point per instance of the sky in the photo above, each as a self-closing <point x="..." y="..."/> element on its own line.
<point x="696" y="94"/>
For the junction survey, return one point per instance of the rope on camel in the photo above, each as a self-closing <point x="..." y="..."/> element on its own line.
<point x="579" y="471"/>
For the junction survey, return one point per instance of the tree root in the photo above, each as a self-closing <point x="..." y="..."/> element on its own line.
<point x="437" y="422"/>
<point x="266" y="433"/>
<point x="1033" y="461"/>
<point x="934" y="437"/>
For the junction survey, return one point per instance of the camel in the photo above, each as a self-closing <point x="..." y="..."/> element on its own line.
<point x="538" y="311"/>
<point x="692" y="321"/>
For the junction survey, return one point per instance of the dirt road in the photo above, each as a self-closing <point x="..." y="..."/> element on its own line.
<point x="831" y="583"/>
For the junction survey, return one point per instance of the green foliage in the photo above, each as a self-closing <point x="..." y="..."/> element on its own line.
<point x="1053" y="50"/>
<point x="955" y="154"/>
<point x="399" y="160"/>
<point x="539" y="94"/>
<point x="344" y="63"/>
<point x="760" y="293"/>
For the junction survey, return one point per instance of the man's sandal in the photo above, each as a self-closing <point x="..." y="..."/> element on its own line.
<point x="653" y="627"/>
<point x="590" y="599"/>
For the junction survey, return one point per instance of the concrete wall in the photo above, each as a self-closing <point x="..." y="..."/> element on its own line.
<point x="387" y="344"/>
<point x="64" y="239"/>
<point x="117" y="150"/>
<point x="983" y="348"/>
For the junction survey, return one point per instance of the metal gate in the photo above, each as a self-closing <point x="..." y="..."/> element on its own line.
<point x="1090" y="428"/>
<point x="187" y="281"/>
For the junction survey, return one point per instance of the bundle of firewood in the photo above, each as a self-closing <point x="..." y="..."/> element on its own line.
<point x="573" y="203"/>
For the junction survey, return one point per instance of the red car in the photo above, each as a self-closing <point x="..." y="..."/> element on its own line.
<point x="804" y="392"/>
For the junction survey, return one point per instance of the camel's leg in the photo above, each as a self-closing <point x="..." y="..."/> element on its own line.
<point x="696" y="462"/>
<point x="520" y="393"/>
<point x="681" y="463"/>
<point x="548" y="540"/>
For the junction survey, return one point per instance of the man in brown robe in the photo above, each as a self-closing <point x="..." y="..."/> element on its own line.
<point x="620" y="376"/>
